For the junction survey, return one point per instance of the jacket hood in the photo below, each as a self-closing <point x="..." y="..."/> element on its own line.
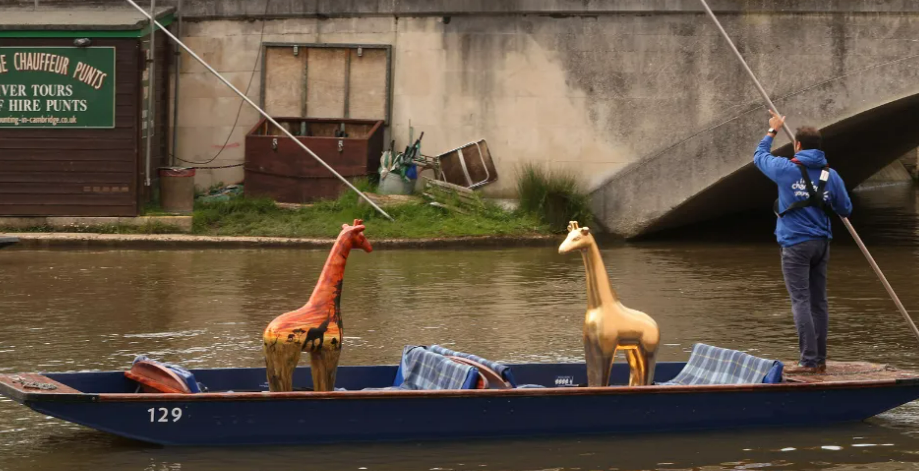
<point x="812" y="158"/>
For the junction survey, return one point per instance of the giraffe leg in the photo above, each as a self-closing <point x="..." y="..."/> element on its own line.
<point x="280" y="362"/>
<point x="324" y="365"/>
<point x="599" y="363"/>
<point x="650" y="364"/>
<point x="636" y="366"/>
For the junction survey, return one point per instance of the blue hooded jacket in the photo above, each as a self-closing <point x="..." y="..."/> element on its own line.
<point x="807" y="223"/>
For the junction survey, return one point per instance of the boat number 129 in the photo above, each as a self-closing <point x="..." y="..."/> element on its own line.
<point x="163" y="414"/>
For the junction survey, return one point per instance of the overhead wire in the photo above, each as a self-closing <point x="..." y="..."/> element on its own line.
<point x="239" y="110"/>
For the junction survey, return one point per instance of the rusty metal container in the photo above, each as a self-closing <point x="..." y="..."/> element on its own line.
<point x="177" y="189"/>
<point x="279" y="169"/>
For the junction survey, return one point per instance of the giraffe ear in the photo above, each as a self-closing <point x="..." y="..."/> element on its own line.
<point x="585" y="230"/>
<point x="358" y="228"/>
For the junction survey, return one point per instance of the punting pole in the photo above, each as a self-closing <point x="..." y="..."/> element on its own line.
<point x="791" y="136"/>
<point x="261" y="111"/>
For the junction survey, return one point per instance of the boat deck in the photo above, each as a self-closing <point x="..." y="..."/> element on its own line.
<point x="850" y="371"/>
<point x="36" y="383"/>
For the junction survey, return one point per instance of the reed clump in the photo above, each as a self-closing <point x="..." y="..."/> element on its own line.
<point x="554" y="196"/>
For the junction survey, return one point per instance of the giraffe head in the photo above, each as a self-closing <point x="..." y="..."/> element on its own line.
<point x="354" y="235"/>
<point x="579" y="238"/>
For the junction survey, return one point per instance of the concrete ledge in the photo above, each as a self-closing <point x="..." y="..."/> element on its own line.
<point x="182" y="223"/>
<point x="181" y="241"/>
<point x="77" y="17"/>
<point x="229" y="9"/>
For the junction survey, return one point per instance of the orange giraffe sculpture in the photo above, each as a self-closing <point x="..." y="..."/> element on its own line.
<point x="316" y="327"/>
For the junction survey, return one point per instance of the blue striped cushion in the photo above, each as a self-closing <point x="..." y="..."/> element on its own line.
<point x="503" y="370"/>
<point x="713" y="365"/>
<point x="422" y="369"/>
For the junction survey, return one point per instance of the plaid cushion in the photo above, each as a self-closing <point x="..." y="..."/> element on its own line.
<point x="421" y="369"/>
<point x="713" y="365"/>
<point x="503" y="370"/>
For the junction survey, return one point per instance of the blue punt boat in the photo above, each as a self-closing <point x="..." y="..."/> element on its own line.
<point x="237" y="408"/>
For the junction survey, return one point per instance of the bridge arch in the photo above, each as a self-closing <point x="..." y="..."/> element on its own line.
<point x="711" y="173"/>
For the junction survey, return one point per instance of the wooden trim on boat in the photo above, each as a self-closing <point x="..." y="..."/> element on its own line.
<point x="526" y="392"/>
<point x="24" y="387"/>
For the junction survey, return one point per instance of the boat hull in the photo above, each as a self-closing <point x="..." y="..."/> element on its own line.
<point x="259" y="418"/>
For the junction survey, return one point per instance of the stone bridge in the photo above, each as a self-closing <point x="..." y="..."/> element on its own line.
<point x="854" y="74"/>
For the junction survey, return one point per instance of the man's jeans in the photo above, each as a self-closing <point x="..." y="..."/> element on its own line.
<point x="804" y="267"/>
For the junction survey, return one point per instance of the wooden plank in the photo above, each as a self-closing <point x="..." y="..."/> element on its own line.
<point x="448" y="186"/>
<point x="92" y="155"/>
<point x="36" y="384"/>
<point x="96" y="195"/>
<point x="326" y="82"/>
<point x="284" y="81"/>
<point x="126" y="210"/>
<point x="60" y="188"/>
<point x="102" y="166"/>
<point x="367" y="90"/>
<point x="72" y="177"/>
<point x="850" y="371"/>
<point x="67" y="144"/>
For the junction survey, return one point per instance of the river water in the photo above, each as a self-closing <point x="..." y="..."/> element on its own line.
<point x="67" y="310"/>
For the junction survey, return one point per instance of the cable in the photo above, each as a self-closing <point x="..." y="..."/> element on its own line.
<point x="241" y="101"/>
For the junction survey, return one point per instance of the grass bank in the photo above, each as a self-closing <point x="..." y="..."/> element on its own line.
<point x="548" y="201"/>
<point x="416" y="220"/>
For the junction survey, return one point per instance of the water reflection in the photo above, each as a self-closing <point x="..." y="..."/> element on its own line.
<point x="75" y="310"/>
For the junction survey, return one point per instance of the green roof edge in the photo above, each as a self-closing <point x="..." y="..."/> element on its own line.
<point x="99" y="33"/>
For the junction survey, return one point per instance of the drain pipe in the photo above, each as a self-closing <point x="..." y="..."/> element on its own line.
<point x="845" y="221"/>
<point x="261" y="111"/>
<point x="175" y="98"/>
<point x="151" y="90"/>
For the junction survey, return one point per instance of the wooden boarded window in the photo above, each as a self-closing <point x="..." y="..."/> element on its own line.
<point x="327" y="81"/>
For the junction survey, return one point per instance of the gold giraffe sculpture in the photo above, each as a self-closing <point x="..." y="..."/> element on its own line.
<point x="608" y="325"/>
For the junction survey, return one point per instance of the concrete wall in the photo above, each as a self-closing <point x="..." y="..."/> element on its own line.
<point x="506" y="80"/>
<point x="910" y="161"/>
<point x="894" y="174"/>
<point x="660" y="94"/>
<point x="641" y="97"/>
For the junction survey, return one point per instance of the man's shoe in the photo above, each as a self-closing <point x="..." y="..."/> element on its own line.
<point x="821" y="368"/>
<point x="801" y="369"/>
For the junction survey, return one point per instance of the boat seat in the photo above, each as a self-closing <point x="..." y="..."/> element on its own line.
<point x="156" y="377"/>
<point x="714" y="365"/>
